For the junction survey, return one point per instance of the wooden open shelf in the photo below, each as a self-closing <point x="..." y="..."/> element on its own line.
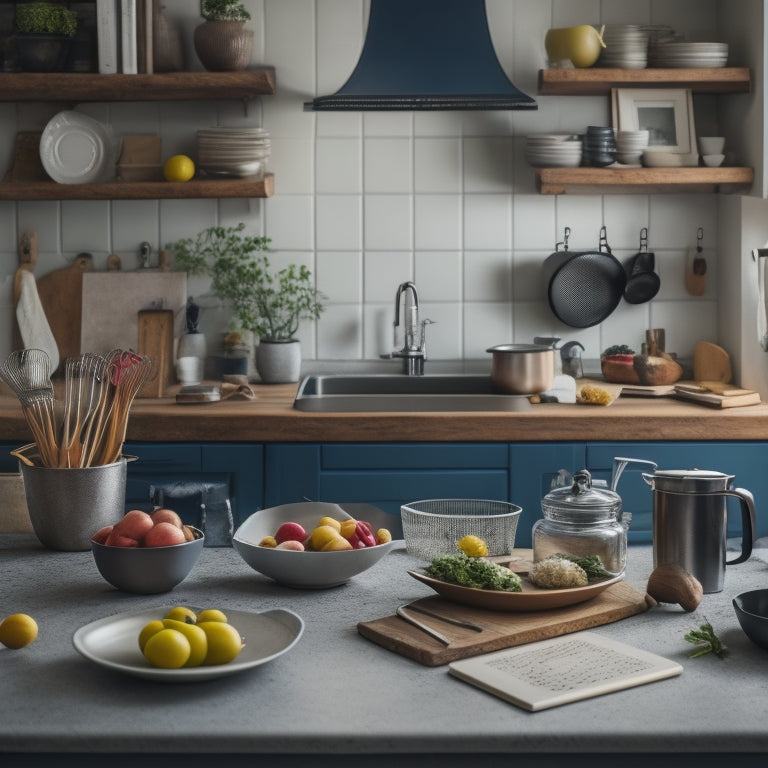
<point x="148" y="190"/>
<point x="561" y="181"/>
<point x="165" y="86"/>
<point x="598" y="81"/>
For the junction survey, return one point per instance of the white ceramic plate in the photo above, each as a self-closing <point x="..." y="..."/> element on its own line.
<point x="76" y="149"/>
<point x="112" y="642"/>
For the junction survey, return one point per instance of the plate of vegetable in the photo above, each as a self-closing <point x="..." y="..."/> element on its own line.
<point x="505" y="585"/>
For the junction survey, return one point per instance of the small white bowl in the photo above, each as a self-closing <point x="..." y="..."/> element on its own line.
<point x="711" y="145"/>
<point x="713" y="161"/>
<point x="309" y="570"/>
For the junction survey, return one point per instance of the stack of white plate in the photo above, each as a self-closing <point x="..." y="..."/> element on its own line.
<point x="553" y="150"/>
<point x="626" y="47"/>
<point x="233" y="151"/>
<point x="695" y="55"/>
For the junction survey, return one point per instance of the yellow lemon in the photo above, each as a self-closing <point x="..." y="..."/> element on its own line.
<point x="473" y="546"/>
<point x="182" y="613"/>
<point x="178" y="168"/>
<point x="168" y="649"/>
<point x="17" y="630"/>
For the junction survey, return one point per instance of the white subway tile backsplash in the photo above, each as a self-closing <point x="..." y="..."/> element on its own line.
<point x="369" y="200"/>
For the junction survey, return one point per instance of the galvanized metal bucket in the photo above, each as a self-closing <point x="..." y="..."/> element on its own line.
<point x="68" y="505"/>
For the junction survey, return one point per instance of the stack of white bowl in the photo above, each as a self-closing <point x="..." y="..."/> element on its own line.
<point x="630" y="146"/>
<point x="626" y="46"/>
<point x="683" y="55"/>
<point x="233" y="151"/>
<point x="553" y="150"/>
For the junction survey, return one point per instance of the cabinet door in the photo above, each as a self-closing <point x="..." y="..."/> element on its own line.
<point x="532" y="469"/>
<point x="747" y="461"/>
<point x="386" y="475"/>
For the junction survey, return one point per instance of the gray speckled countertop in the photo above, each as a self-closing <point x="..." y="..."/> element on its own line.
<point x="342" y="698"/>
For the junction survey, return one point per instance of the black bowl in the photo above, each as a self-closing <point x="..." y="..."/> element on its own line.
<point x="752" y="612"/>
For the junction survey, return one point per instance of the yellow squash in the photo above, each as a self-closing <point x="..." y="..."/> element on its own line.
<point x="581" y="45"/>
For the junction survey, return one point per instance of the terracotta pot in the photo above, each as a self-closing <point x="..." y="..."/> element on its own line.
<point x="278" y="362"/>
<point x="223" y="46"/>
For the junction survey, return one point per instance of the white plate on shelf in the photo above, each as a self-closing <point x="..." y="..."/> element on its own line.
<point x="76" y="149"/>
<point x="113" y="643"/>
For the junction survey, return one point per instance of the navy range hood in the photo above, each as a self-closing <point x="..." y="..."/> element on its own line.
<point x="426" y="54"/>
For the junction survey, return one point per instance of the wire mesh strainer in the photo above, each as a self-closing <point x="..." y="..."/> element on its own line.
<point x="432" y="527"/>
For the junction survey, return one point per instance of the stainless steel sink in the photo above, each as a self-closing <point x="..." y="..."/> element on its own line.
<point x="392" y="392"/>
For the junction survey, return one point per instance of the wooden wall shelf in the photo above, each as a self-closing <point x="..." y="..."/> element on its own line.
<point x="166" y="86"/>
<point x="598" y="81"/>
<point x="560" y="181"/>
<point x="150" y="190"/>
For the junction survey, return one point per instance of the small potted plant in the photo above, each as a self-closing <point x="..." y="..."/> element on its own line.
<point x="44" y="36"/>
<point x="267" y="302"/>
<point x="222" y="42"/>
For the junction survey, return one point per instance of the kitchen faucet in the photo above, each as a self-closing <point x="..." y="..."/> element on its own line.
<point x="413" y="334"/>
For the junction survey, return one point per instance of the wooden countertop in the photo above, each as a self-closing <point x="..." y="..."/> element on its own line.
<point x="272" y="418"/>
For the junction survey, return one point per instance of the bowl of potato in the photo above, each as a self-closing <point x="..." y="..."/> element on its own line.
<point x="311" y="545"/>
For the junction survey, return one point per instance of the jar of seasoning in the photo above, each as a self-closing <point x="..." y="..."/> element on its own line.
<point x="581" y="521"/>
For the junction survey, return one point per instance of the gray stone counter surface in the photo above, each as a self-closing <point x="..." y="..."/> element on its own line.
<point x="343" y="699"/>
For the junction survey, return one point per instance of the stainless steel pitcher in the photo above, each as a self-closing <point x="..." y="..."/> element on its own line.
<point x="690" y="522"/>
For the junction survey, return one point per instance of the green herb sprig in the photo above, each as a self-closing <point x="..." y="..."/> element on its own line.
<point x="707" y="640"/>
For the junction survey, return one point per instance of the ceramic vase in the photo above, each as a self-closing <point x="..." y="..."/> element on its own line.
<point x="278" y="362"/>
<point x="223" y="46"/>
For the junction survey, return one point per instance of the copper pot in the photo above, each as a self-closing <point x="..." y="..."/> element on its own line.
<point x="522" y="369"/>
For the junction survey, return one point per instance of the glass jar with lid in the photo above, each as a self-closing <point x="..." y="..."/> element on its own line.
<point x="581" y="521"/>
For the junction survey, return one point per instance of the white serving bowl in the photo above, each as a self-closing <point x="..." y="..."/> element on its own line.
<point x="309" y="570"/>
<point x="713" y="161"/>
<point x="711" y="145"/>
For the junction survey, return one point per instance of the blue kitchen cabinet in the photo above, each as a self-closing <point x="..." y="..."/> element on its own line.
<point x="181" y="471"/>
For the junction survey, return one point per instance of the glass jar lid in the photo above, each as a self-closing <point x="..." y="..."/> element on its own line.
<point x="581" y="503"/>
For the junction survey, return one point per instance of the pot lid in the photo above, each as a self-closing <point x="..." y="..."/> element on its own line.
<point x="581" y="502"/>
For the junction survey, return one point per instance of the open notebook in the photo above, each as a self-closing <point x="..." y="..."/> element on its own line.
<point x="563" y="669"/>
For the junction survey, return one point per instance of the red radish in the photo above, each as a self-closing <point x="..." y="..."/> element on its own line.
<point x="290" y="532"/>
<point x="164" y="535"/>
<point x="100" y="537"/>
<point x="134" y="524"/>
<point x="163" y="515"/>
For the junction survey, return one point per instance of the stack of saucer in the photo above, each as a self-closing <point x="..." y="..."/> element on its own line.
<point x="599" y="146"/>
<point x="694" y="55"/>
<point x="630" y="146"/>
<point x="553" y="150"/>
<point x="233" y="151"/>
<point x="626" y="47"/>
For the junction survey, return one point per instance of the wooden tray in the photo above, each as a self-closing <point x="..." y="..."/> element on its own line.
<point x="500" y="630"/>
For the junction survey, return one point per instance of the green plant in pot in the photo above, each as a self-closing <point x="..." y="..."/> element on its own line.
<point x="44" y="36"/>
<point x="222" y="42"/>
<point x="270" y="303"/>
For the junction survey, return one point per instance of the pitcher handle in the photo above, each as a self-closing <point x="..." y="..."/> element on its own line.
<point x="748" y="524"/>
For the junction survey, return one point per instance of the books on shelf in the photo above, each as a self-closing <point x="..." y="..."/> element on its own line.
<point x="124" y="36"/>
<point x="562" y="670"/>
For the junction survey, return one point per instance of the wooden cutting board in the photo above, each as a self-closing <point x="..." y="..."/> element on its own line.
<point x="61" y="294"/>
<point x="500" y="629"/>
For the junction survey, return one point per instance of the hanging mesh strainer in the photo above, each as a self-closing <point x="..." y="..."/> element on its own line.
<point x="433" y="526"/>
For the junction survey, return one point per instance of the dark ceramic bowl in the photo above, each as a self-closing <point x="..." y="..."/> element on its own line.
<point x="752" y="612"/>
<point x="147" y="570"/>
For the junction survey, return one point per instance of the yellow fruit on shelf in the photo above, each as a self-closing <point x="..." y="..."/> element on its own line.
<point x="472" y="546"/>
<point x="17" y="630"/>
<point x="581" y="45"/>
<point x="178" y="168"/>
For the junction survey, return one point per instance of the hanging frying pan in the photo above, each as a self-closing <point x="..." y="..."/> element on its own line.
<point x="583" y="288"/>
<point x="642" y="283"/>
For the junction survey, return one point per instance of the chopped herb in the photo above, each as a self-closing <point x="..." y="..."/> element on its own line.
<point x="592" y="565"/>
<point x="707" y="641"/>
<point x="473" y="572"/>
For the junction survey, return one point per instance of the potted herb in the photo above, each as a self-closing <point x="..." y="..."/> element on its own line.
<point x="222" y="42"/>
<point x="267" y="302"/>
<point x="44" y="36"/>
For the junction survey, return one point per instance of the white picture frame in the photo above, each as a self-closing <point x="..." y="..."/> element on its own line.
<point x="666" y="112"/>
